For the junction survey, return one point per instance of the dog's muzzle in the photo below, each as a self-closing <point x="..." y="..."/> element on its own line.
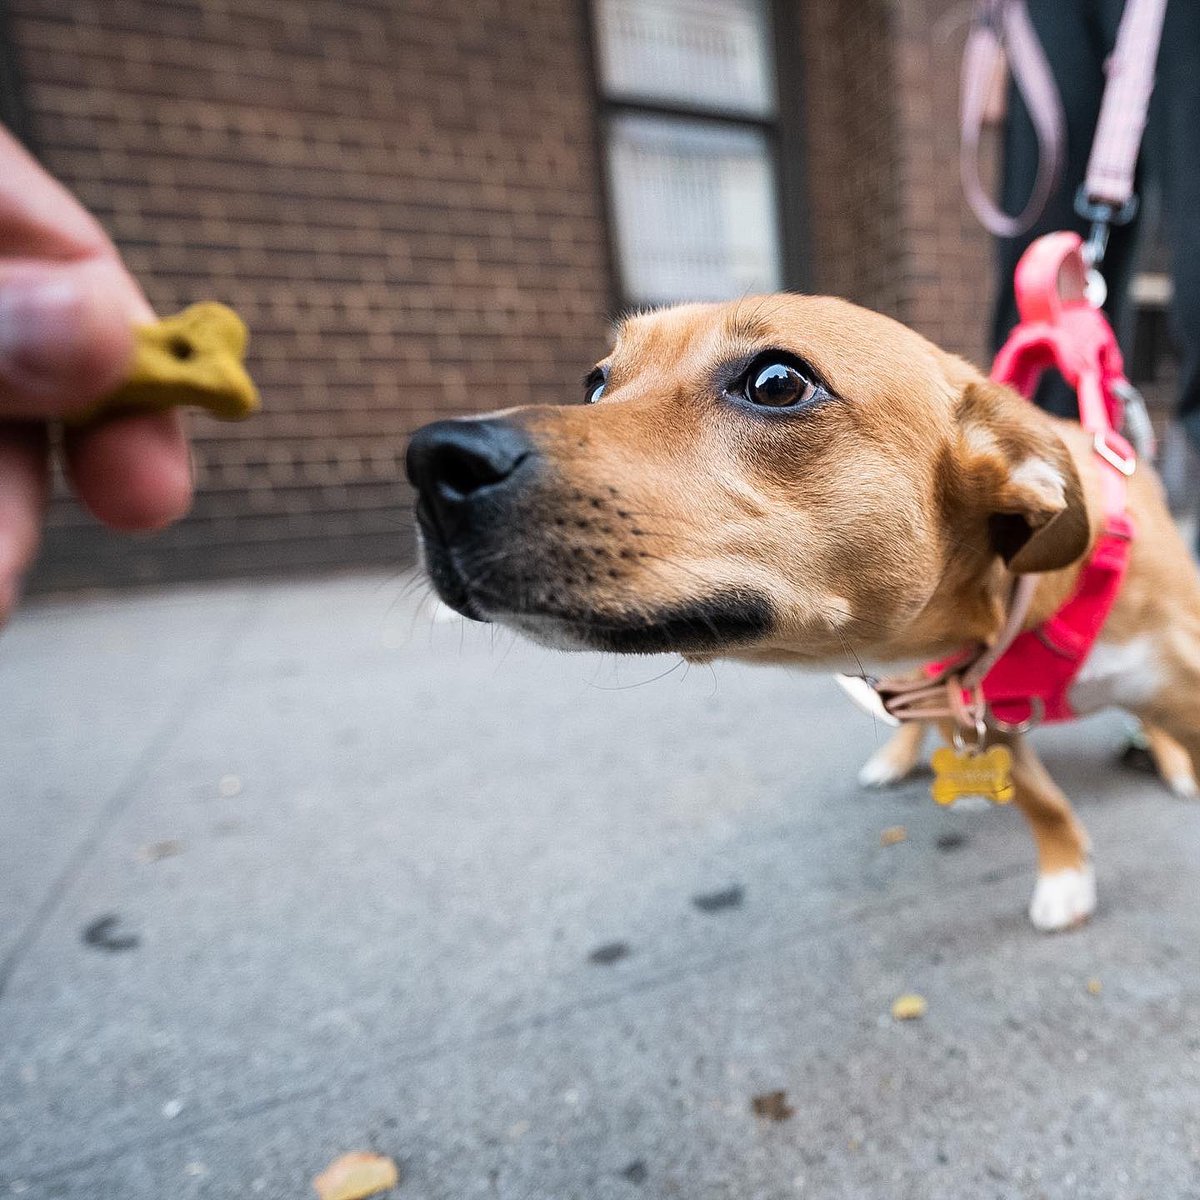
<point x="507" y="538"/>
<point x="461" y="469"/>
<point x="467" y="475"/>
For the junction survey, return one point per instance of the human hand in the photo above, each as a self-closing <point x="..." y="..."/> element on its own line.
<point x="67" y="311"/>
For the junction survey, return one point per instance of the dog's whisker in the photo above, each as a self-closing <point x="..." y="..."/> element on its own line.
<point x="628" y="687"/>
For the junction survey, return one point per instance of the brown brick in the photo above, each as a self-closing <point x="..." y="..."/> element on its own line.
<point x="401" y="198"/>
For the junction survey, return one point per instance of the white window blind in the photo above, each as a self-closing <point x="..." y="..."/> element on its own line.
<point x="695" y="209"/>
<point x="706" y="53"/>
<point x="693" y="197"/>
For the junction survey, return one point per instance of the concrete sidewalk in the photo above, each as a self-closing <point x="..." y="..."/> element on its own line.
<point x="287" y="871"/>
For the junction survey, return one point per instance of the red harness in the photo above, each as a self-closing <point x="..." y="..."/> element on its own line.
<point x="1059" y="327"/>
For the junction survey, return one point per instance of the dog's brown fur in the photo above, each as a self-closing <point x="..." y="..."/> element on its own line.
<point x="876" y="525"/>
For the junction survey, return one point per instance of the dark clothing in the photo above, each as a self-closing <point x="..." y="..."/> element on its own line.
<point x="1078" y="36"/>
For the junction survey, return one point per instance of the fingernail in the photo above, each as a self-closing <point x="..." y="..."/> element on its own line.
<point x="40" y="327"/>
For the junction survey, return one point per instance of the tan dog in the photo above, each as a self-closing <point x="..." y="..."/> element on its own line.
<point x="797" y="480"/>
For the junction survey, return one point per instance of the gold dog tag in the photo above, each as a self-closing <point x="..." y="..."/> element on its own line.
<point x="958" y="774"/>
<point x="192" y="358"/>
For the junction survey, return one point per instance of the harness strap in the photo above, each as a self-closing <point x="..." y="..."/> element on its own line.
<point x="1024" y="675"/>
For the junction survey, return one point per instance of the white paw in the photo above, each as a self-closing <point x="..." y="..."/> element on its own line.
<point x="1063" y="899"/>
<point x="1183" y="785"/>
<point x="884" y="768"/>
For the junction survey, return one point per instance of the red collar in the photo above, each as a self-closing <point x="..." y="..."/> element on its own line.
<point x="1025" y="677"/>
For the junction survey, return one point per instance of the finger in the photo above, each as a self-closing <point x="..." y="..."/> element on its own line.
<point x="24" y="487"/>
<point x="38" y="216"/>
<point x="66" y="334"/>
<point x="134" y="472"/>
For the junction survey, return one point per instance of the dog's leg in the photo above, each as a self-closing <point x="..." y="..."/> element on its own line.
<point x="896" y="759"/>
<point x="1065" y="893"/>
<point x="1172" y="761"/>
<point x="1175" y="712"/>
<point x="1181" y="724"/>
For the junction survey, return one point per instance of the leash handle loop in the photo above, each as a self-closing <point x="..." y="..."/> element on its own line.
<point x="1002" y="31"/>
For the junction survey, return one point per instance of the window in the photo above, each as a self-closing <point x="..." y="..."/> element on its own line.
<point x="690" y="123"/>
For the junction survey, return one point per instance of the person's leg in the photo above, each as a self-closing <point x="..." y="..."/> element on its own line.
<point x="1174" y="158"/>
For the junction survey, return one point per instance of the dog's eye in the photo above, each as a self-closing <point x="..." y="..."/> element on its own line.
<point x="778" y="385"/>
<point x="593" y="386"/>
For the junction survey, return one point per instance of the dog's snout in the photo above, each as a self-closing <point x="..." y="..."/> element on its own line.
<point x="451" y="461"/>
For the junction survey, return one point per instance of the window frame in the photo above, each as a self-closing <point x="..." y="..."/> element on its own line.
<point x="782" y="130"/>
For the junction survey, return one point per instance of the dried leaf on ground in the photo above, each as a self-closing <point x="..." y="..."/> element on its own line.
<point x="356" y="1176"/>
<point x="893" y="835"/>
<point x="909" y="1007"/>
<point x="1094" y="987"/>
<point x="772" y="1105"/>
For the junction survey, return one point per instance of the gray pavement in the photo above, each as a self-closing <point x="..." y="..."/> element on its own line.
<point x="400" y="843"/>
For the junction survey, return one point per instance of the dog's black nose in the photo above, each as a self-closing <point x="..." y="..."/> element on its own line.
<point x="450" y="462"/>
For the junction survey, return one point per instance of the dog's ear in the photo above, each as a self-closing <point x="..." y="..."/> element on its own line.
<point x="1015" y="471"/>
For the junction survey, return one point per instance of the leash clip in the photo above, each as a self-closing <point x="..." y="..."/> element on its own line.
<point x="1103" y="216"/>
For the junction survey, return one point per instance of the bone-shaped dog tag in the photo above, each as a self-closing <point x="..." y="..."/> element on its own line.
<point x="958" y="774"/>
<point x="192" y="358"/>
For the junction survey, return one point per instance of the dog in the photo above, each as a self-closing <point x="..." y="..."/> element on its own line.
<point x="796" y="480"/>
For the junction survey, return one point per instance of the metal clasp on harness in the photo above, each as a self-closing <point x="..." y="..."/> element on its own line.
<point x="1116" y="458"/>
<point x="1138" y="426"/>
<point x="1037" y="714"/>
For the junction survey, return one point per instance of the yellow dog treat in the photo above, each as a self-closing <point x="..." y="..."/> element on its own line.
<point x="193" y="358"/>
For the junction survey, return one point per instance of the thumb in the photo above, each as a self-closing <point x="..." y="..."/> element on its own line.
<point x="66" y="334"/>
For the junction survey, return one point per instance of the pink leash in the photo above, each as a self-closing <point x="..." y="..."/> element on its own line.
<point x="1002" y="29"/>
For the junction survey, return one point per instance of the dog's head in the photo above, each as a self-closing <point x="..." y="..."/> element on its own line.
<point x="787" y="477"/>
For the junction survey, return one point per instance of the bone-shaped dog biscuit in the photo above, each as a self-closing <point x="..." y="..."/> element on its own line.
<point x="193" y="358"/>
<point x="958" y="774"/>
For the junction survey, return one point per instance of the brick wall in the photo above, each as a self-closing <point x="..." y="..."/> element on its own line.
<point x="890" y="227"/>
<point x="400" y="197"/>
<point x="946" y="261"/>
<point x="855" y="201"/>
